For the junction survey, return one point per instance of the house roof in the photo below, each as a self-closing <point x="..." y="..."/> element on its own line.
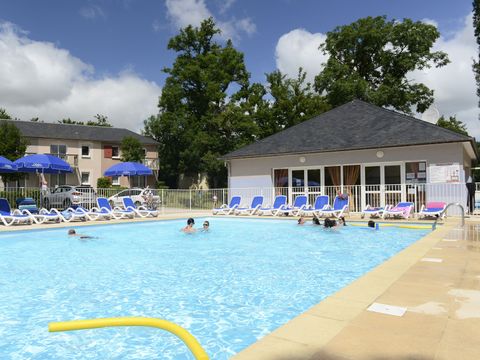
<point x="32" y="129"/>
<point x="353" y="126"/>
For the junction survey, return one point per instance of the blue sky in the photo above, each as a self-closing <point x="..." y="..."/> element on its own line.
<point x="75" y="51"/>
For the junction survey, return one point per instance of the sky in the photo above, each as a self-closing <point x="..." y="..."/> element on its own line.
<point x="75" y="59"/>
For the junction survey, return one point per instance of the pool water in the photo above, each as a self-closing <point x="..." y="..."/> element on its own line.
<point x="228" y="287"/>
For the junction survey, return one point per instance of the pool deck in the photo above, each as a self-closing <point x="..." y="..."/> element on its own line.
<point x="437" y="280"/>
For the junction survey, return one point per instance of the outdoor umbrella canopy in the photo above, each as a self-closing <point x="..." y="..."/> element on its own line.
<point x="42" y="163"/>
<point x="7" y="166"/>
<point x="128" y="169"/>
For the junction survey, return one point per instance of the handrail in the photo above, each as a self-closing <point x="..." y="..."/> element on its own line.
<point x="184" y="335"/>
<point x="445" y="210"/>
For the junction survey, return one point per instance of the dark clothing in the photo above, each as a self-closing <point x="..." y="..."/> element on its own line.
<point x="471" y="197"/>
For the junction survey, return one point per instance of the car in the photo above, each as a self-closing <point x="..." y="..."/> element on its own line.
<point x="146" y="197"/>
<point x="66" y="196"/>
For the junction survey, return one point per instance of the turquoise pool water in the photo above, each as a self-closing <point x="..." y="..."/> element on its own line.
<point x="228" y="287"/>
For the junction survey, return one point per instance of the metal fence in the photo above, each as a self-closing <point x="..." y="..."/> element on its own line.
<point x="195" y="199"/>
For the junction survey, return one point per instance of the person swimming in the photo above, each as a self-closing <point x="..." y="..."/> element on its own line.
<point x="371" y="224"/>
<point x="72" y="232"/>
<point x="205" y="226"/>
<point x="301" y="221"/>
<point x="329" y="223"/>
<point x="189" y="228"/>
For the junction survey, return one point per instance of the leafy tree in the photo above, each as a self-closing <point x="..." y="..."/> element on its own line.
<point x="70" y="122"/>
<point x="132" y="149"/>
<point x="476" y="27"/>
<point x="12" y="146"/>
<point x="370" y="59"/>
<point x="192" y="127"/>
<point x="102" y="120"/>
<point x="4" y="114"/>
<point x="293" y="102"/>
<point x="453" y="124"/>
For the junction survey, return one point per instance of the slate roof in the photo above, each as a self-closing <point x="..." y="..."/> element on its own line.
<point x="33" y="129"/>
<point x="353" y="126"/>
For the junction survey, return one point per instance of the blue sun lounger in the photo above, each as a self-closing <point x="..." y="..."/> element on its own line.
<point x="257" y="203"/>
<point x="141" y="211"/>
<point x="299" y="204"/>
<point x="9" y="217"/>
<point x="279" y="203"/>
<point x="104" y="210"/>
<point x="340" y="206"/>
<point x="321" y="202"/>
<point x="230" y="208"/>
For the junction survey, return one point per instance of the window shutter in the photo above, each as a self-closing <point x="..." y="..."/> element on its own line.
<point x="107" y="150"/>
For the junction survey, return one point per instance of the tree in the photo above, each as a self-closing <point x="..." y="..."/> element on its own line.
<point x="70" y="122"/>
<point x="12" y="146"/>
<point x="102" y="120"/>
<point x="4" y="114"/>
<point x="293" y="102"/>
<point x="370" y="59"/>
<point x="476" y="27"/>
<point x="192" y="127"/>
<point x="132" y="149"/>
<point x="453" y="124"/>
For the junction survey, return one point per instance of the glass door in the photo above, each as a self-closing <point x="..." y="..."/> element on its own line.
<point x="372" y="186"/>
<point x="393" y="187"/>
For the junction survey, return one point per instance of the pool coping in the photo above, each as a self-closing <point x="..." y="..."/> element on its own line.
<point x="308" y="333"/>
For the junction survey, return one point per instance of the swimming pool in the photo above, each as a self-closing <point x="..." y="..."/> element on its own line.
<point x="228" y="287"/>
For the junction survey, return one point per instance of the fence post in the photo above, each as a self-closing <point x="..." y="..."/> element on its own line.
<point x="190" y="199"/>
<point x="162" y="201"/>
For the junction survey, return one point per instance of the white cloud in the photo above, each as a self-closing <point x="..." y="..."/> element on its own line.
<point x="225" y="5"/>
<point x="430" y="22"/>
<point x="41" y="80"/>
<point x="92" y="12"/>
<point x="192" y="12"/>
<point x="454" y="84"/>
<point x="299" y="48"/>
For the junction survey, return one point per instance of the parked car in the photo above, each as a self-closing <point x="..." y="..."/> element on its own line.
<point x="65" y="196"/>
<point x="146" y="197"/>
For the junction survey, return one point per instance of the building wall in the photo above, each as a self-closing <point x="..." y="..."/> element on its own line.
<point x="96" y="163"/>
<point x="258" y="171"/>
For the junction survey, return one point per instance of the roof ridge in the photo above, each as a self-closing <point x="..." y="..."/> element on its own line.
<point x="59" y="123"/>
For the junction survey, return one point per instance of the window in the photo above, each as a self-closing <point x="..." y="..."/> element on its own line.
<point x="298" y="178"/>
<point x="85" y="178"/>
<point x="392" y="175"/>
<point x="144" y="153"/>
<point x="372" y="175"/>
<point x="58" y="150"/>
<point x="351" y="175"/>
<point x="332" y="176"/>
<point x="115" y="180"/>
<point x="115" y="152"/>
<point x="416" y="172"/>
<point x="280" y="177"/>
<point x="313" y="177"/>
<point x="85" y="151"/>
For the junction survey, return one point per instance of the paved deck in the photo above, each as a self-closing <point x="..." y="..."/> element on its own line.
<point x="442" y="300"/>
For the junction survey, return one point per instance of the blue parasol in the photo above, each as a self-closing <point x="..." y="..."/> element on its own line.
<point x="6" y="166"/>
<point x="43" y="163"/>
<point x="128" y="169"/>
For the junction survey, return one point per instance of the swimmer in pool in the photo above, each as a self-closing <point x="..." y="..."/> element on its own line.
<point x="72" y="232"/>
<point x="189" y="228"/>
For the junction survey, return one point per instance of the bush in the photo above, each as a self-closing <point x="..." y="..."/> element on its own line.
<point x="161" y="185"/>
<point x="104" y="182"/>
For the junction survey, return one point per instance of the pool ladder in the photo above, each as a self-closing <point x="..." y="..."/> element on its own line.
<point x="434" y="226"/>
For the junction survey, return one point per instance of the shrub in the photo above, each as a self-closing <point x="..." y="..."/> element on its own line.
<point x="104" y="182"/>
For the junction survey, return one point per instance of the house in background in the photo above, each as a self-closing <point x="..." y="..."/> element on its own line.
<point x="90" y="150"/>
<point x="377" y="156"/>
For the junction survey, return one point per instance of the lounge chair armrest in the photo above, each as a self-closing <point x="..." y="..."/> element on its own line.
<point x="19" y="212"/>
